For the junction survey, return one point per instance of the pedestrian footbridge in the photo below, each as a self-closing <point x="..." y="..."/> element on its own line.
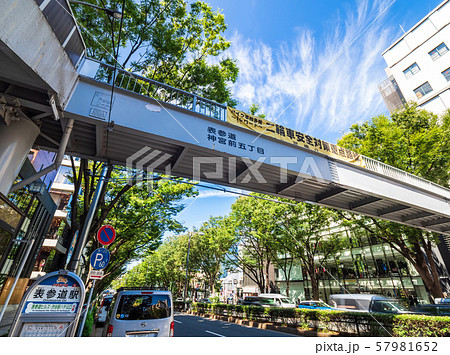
<point x="45" y="76"/>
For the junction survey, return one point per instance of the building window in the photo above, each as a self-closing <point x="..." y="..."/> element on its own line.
<point x="64" y="175"/>
<point x="446" y="74"/>
<point x="413" y="69"/>
<point x="439" y="51"/>
<point x="423" y="90"/>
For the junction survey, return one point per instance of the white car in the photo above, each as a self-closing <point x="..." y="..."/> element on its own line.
<point x="103" y="309"/>
<point x="275" y="300"/>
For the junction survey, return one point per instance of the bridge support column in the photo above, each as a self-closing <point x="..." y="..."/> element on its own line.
<point x="16" y="139"/>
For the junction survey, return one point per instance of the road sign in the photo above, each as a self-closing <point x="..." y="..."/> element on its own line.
<point x="100" y="258"/>
<point x="106" y="235"/>
<point x="96" y="274"/>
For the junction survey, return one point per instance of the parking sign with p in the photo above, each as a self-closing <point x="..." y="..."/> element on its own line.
<point x="100" y="258"/>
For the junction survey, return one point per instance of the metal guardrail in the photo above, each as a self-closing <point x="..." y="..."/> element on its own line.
<point x="403" y="176"/>
<point x="147" y="87"/>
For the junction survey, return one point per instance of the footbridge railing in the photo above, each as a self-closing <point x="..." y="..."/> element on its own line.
<point x="143" y="86"/>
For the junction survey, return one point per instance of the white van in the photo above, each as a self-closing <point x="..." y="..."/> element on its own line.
<point x="140" y="312"/>
<point x="275" y="300"/>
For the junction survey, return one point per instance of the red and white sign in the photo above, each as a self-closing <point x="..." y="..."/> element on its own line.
<point x="96" y="274"/>
<point x="106" y="235"/>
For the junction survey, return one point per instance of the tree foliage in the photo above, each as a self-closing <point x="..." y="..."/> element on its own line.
<point x="168" y="41"/>
<point x="302" y="232"/>
<point x="251" y="223"/>
<point x="415" y="141"/>
<point x="140" y="219"/>
<point x="164" y="267"/>
<point x="209" y="248"/>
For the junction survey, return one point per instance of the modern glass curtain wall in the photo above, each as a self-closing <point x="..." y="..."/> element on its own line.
<point x="365" y="265"/>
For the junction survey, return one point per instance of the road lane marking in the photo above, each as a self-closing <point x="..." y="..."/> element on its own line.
<point x="177" y="321"/>
<point x="219" y="335"/>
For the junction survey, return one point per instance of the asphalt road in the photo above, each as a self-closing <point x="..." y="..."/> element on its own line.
<point x="187" y="325"/>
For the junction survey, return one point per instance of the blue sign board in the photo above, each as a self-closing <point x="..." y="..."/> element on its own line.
<point x="100" y="258"/>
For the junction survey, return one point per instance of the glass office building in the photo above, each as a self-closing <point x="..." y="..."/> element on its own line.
<point x="365" y="265"/>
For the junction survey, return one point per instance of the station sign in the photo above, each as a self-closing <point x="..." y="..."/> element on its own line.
<point x="106" y="235"/>
<point x="59" y="293"/>
<point x="50" y="307"/>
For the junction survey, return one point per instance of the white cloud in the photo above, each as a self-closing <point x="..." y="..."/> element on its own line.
<point x="327" y="87"/>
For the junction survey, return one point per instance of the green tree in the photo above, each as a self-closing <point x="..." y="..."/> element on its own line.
<point x="169" y="41"/>
<point x="301" y="231"/>
<point x="140" y="219"/>
<point x="254" y="108"/>
<point x="251" y="223"/>
<point x="164" y="267"/>
<point x="209" y="247"/>
<point x="415" y="141"/>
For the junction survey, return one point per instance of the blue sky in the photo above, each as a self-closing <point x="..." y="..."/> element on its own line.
<point x="319" y="59"/>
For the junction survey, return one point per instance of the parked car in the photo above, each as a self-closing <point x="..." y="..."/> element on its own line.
<point x="433" y="309"/>
<point x="275" y="300"/>
<point x="311" y="304"/>
<point x="442" y="300"/>
<point x="204" y="300"/>
<point x="251" y="301"/>
<point x="140" y="312"/>
<point x="367" y="303"/>
<point x="103" y="309"/>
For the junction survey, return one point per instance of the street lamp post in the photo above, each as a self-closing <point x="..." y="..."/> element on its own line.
<point x="187" y="268"/>
<point x="113" y="13"/>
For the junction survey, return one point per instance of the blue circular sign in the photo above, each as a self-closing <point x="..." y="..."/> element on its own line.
<point x="100" y="258"/>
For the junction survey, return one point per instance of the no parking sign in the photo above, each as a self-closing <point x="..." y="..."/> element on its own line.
<point x="106" y="235"/>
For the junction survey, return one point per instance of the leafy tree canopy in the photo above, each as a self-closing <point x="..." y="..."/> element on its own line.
<point x="165" y="40"/>
<point x="415" y="141"/>
<point x="412" y="139"/>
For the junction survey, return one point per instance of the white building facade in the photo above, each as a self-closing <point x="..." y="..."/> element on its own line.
<point x="418" y="64"/>
<point x="231" y="287"/>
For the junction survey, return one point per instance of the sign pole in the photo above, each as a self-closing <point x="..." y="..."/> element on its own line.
<point x="80" y="329"/>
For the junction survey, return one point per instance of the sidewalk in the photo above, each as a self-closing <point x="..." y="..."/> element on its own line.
<point x="8" y="318"/>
